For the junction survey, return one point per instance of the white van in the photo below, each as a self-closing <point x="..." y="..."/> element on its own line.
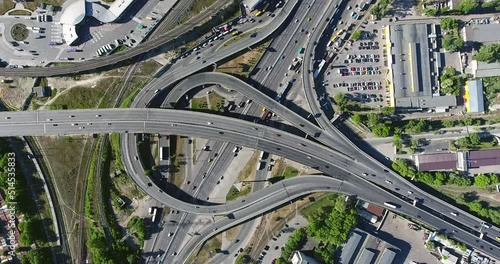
<point x="454" y="214"/>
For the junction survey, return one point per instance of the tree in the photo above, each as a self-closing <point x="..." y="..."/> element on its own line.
<point x="494" y="179"/>
<point x="450" y="86"/>
<point x="452" y="42"/>
<point x="495" y="4"/>
<point x="335" y="227"/>
<point x="356" y="35"/>
<point x="488" y="53"/>
<point x="382" y="130"/>
<point x="357" y="118"/>
<point x="39" y="255"/>
<point x="467" y="6"/>
<point x="448" y="123"/>
<point x="373" y="119"/>
<point x="481" y="181"/>
<point x="475" y="139"/>
<point x="341" y="100"/>
<point x="449" y="23"/>
<point x="387" y="110"/>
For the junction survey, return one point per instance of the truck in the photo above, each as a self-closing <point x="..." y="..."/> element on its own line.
<point x="163" y="153"/>
<point x="391" y="205"/>
<point x="155" y="211"/>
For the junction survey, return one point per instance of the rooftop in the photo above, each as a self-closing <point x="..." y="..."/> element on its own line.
<point x="437" y="161"/>
<point x="351" y="248"/>
<point x="413" y="62"/>
<point x="375" y="210"/>
<point x="482" y="69"/>
<point x="387" y="256"/>
<point x="487" y="157"/>
<point x="366" y="257"/>
<point x="484" y="33"/>
<point x="474" y="100"/>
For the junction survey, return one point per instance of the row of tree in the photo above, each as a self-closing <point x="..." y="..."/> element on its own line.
<point x="451" y="81"/>
<point x="488" y="53"/>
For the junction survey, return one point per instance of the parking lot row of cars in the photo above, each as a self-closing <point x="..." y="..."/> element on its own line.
<point x="354" y="58"/>
<point x="369" y="70"/>
<point x="359" y="86"/>
<point x="368" y="45"/>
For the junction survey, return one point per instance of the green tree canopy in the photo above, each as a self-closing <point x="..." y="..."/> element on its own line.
<point x="488" y="53"/>
<point x="467" y="6"/>
<point x="481" y="181"/>
<point x="452" y="42"/>
<point x="356" y="35"/>
<point x="382" y="130"/>
<point x="449" y="23"/>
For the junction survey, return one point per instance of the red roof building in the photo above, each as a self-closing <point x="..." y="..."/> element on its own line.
<point x="437" y="161"/>
<point x="487" y="157"/>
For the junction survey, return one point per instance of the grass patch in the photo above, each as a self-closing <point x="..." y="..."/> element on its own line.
<point x="32" y="5"/>
<point x="207" y="250"/>
<point x="5" y="6"/>
<point x="148" y="68"/>
<point x="232" y="232"/>
<point x="19" y="32"/>
<point x="20" y="13"/>
<point x="82" y="97"/>
<point x="199" y="103"/>
<point x="128" y="100"/>
<point x="242" y="65"/>
<point x="239" y="37"/>
<point x="120" y="48"/>
<point x="199" y="5"/>
<point x="321" y="206"/>
<point x="235" y="194"/>
<point x="216" y="101"/>
<point x="282" y="170"/>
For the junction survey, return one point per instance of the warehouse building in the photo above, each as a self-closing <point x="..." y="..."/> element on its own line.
<point x="414" y="64"/>
<point x="474" y="99"/>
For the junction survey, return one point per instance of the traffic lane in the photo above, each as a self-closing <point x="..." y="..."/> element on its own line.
<point x="284" y="36"/>
<point x="423" y="196"/>
<point x="246" y="214"/>
<point x="142" y="99"/>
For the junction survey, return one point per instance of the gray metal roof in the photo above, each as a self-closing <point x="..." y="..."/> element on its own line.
<point x="484" y="33"/>
<point x="426" y="101"/>
<point x="366" y="257"/>
<point x="483" y="69"/>
<point x="387" y="256"/>
<point x="476" y="99"/>
<point x="350" y="249"/>
<point x="412" y="67"/>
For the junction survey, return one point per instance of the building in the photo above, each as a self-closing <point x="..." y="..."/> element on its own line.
<point x="375" y="210"/>
<point x="387" y="256"/>
<point x="75" y="13"/>
<point x="483" y="69"/>
<point x="366" y="257"/>
<point x="300" y="258"/>
<point x="474" y="99"/>
<point x="41" y="91"/>
<point x="482" y="33"/>
<point x="352" y="247"/>
<point x="480" y="158"/>
<point x="414" y="65"/>
<point x="440" y="161"/>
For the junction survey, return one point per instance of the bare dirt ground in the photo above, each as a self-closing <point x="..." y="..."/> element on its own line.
<point x="15" y="93"/>
<point x="489" y="195"/>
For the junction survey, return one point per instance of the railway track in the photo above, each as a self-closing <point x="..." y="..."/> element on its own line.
<point x="81" y="224"/>
<point x="65" y="255"/>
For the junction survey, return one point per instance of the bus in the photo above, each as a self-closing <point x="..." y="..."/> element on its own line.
<point x="391" y="205"/>
<point x="265" y="7"/>
<point x="301" y="50"/>
<point x="153" y="219"/>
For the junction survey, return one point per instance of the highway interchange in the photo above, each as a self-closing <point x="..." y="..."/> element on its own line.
<point x="333" y="153"/>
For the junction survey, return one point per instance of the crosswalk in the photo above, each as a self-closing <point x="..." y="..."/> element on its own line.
<point x="96" y="36"/>
<point x="56" y="34"/>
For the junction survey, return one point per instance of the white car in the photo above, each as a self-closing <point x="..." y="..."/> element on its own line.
<point x="209" y="123"/>
<point x="349" y="7"/>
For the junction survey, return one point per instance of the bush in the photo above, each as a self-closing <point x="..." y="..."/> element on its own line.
<point x="488" y="53"/>
<point x="449" y="23"/>
<point x="452" y="42"/>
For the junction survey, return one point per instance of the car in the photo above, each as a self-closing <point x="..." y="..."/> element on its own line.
<point x="174" y="254"/>
<point x="170" y="234"/>
<point x="7" y="117"/>
<point x="97" y="115"/>
<point x="389" y="182"/>
<point x="136" y="158"/>
<point x="454" y="214"/>
<point x="498" y="238"/>
<point x="410" y="192"/>
<point x="157" y="90"/>
<point x="278" y="135"/>
<point x="209" y="123"/>
<point x="349" y="7"/>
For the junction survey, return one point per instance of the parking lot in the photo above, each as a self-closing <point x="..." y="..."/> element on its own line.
<point x="359" y="68"/>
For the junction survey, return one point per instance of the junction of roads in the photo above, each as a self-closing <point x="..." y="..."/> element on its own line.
<point x="313" y="140"/>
